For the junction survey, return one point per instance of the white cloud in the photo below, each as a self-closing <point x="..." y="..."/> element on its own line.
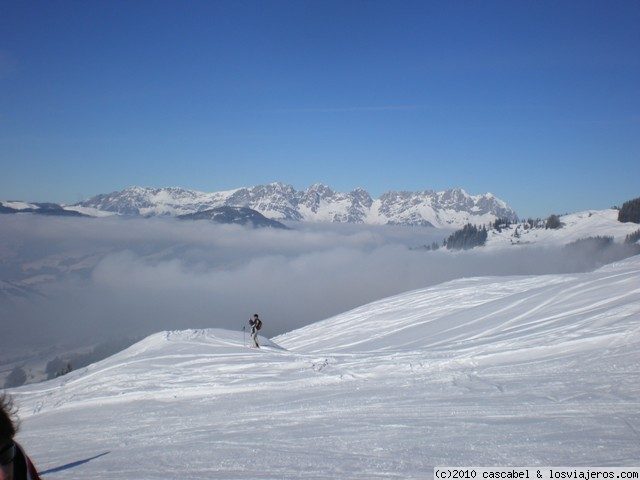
<point x="116" y="276"/>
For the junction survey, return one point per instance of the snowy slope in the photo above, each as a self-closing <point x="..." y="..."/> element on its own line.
<point x="92" y="212"/>
<point x="17" y="205"/>
<point x="483" y="371"/>
<point x="479" y="317"/>
<point x="579" y="225"/>
<point x="8" y="207"/>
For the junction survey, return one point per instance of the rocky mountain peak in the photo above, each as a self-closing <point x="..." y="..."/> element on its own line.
<point x="318" y="203"/>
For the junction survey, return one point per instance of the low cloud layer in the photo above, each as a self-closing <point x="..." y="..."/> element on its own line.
<point x="79" y="280"/>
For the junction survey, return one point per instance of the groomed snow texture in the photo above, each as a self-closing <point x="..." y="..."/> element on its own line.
<point x="535" y="370"/>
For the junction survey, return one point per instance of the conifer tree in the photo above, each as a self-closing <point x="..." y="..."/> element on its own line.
<point x="630" y="211"/>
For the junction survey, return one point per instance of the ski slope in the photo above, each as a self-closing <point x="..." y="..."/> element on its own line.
<point x="531" y="370"/>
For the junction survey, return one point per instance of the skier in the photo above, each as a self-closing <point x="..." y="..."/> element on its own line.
<point x="14" y="463"/>
<point x="256" y="324"/>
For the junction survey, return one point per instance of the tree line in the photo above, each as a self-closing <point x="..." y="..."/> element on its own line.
<point x="630" y="211"/>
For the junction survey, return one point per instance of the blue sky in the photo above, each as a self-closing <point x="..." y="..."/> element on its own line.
<point x="537" y="102"/>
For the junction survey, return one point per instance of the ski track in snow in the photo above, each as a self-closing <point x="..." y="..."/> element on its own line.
<point x="531" y="370"/>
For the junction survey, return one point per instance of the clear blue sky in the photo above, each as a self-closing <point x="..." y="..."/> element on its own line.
<point x="535" y="101"/>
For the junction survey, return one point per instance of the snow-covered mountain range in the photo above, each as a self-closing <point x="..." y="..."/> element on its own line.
<point x="525" y="370"/>
<point x="318" y="203"/>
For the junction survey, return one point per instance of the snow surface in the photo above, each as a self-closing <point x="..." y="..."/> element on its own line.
<point x="529" y="370"/>
<point x="589" y="223"/>
<point x="92" y="212"/>
<point x="16" y="205"/>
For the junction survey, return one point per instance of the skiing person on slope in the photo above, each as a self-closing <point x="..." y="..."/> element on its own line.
<point x="14" y="463"/>
<point x="256" y="324"/>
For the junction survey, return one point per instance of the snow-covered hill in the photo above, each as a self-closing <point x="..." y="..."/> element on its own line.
<point x="50" y="209"/>
<point x="318" y="203"/>
<point x="575" y="226"/>
<point x="531" y="370"/>
<point x="234" y="215"/>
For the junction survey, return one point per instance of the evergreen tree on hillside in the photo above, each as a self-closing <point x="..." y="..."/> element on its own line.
<point x="468" y="237"/>
<point x="534" y="223"/>
<point x="499" y="224"/>
<point x="553" y="222"/>
<point x="16" y="378"/>
<point x="632" y="237"/>
<point x="630" y="211"/>
<point x="596" y="243"/>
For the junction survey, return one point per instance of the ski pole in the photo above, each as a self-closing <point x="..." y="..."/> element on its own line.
<point x="244" y="336"/>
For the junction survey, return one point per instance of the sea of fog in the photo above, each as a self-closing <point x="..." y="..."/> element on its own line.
<point x="79" y="281"/>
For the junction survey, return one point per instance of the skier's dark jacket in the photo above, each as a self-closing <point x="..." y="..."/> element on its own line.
<point x="255" y="324"/>
<point x="23" y="468"/>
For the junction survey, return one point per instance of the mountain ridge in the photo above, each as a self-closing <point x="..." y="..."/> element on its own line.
<point x="318" y="203"/>
<point x="38" y="208"/>
<point x="234" y="215"/>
